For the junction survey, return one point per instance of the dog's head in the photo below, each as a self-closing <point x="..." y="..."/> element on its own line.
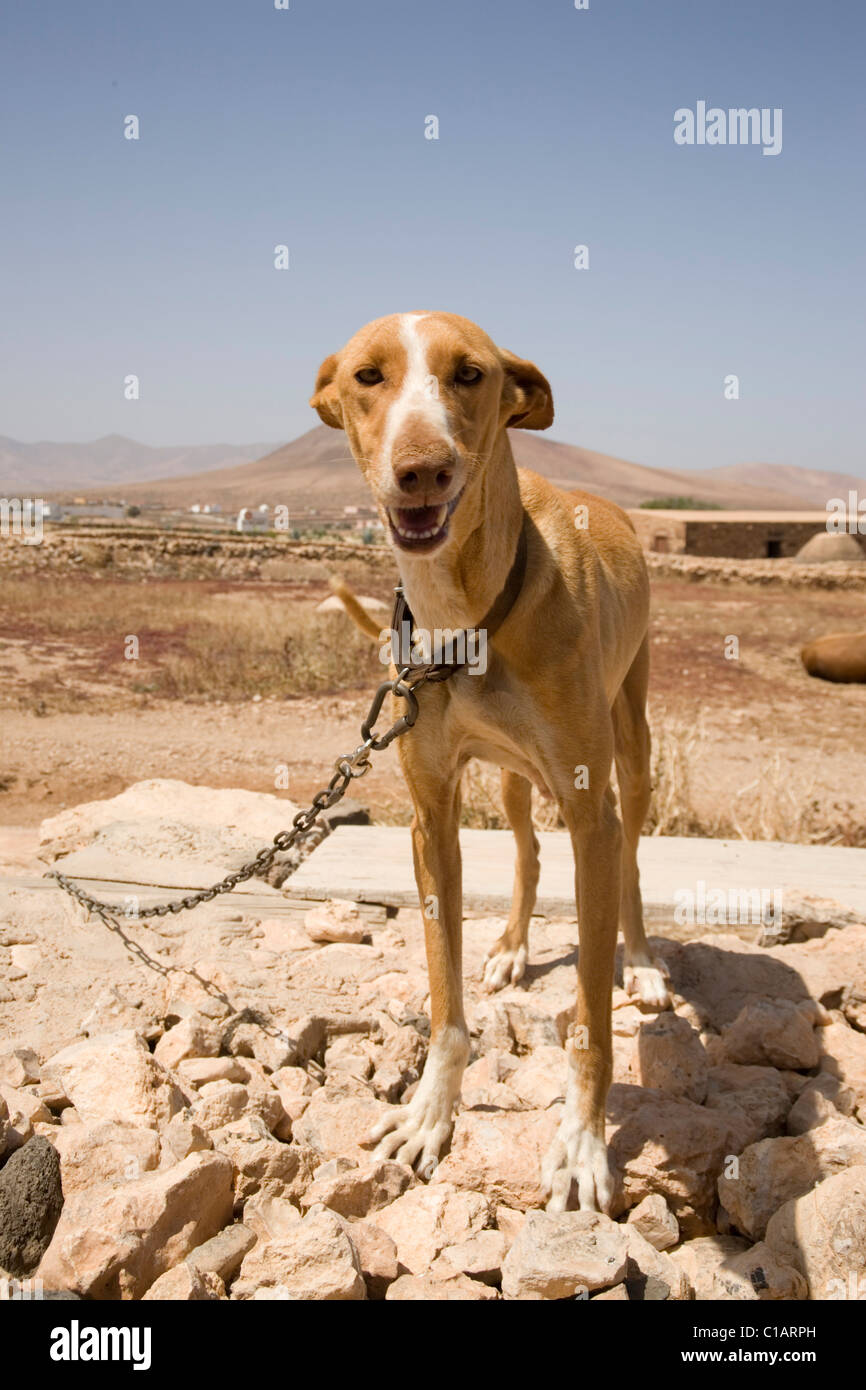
<point x="423" y="398"/>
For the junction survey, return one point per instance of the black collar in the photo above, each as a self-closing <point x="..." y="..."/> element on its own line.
<point x="467" y="640"/>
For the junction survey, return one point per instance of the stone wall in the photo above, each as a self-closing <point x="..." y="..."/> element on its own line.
<point x="664" y="532"/>
<point x="131" y="553"/>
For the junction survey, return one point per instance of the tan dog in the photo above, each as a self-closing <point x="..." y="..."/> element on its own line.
<point x="425" y="400"/>
<point x="840" y="656"/>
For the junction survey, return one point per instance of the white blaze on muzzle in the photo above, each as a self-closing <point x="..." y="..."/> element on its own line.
<point x="419" y="394"/>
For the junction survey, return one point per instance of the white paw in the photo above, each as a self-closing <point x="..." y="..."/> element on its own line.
<point x="577" y="1154"/>
<point x="504" y="967"/>
<point x="416" y="1131"/>
<point x="649" y="983"/>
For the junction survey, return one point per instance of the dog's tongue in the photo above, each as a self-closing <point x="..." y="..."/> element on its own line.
<point x="418" y="518"/>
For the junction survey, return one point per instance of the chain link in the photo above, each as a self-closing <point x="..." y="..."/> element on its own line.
<point x="346" y="769"/>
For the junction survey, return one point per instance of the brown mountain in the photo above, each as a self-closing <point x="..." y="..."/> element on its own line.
<point x="814" y="484"/>
<point x="108" y="464"/>
<point x="318" y="471"/>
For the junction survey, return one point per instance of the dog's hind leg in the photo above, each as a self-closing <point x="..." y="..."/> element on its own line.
<point x="643" y="973"/>
<point x="506" y="960"/>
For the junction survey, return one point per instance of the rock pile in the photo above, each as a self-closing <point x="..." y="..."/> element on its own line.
<point x="210" y="1134"/>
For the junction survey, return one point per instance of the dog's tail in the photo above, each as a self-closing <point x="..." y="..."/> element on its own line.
<point x="356" y="611"/>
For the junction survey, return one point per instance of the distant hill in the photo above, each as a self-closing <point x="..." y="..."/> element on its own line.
<point x="812" y="483"/>
<point x="317" y="470"/>
<point x="111" y="462"/>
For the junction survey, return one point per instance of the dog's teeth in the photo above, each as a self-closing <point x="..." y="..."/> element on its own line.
<point x="441" y="516"/>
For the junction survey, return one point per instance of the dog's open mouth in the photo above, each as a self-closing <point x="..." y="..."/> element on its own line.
<point x="421" y="528"/>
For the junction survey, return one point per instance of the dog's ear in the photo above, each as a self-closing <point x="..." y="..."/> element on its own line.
<point x="526" y="394"/>
<point x="325" y="399"/>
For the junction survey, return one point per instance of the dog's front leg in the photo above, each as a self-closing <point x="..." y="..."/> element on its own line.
<point x="418" y="1131"/>
<point x="579" y="1150"/>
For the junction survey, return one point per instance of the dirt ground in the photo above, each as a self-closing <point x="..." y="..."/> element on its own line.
<point x="750" y="734"/>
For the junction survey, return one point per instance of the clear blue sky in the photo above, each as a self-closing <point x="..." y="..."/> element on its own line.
<point x="306" y="127"/>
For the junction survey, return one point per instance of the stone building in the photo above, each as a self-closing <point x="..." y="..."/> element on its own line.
<point x="735" y="535"/>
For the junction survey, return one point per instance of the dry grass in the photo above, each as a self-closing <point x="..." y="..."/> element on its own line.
<point x="62" y="649"/>
<point x="195" y="642"/>
<point x="768" y="808"/>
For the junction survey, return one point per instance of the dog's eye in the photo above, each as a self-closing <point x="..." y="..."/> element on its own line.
<point x="468" y="375"/>
<point x="369" y="376"/>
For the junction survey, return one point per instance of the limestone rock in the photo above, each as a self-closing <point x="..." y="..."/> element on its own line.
<point x="538" y="1019"/>
<point x="758" y="1274"/>
<point x="669" y="1146"/>
<point x="360" y="1191"/>
<point x="223" y="1254"/>
<point x="564" y="1255"/>
<point x="107" y="1152"/>
<point x="377" y="1256"/>
<point x="754" y="1100"/>
<point x="718" y="972"/>
<point x="111" y="1012"/>
<point x="833" y="969"/>
<point x="670" y="1057"/>
<point x="509" y="1221"/>
<point x="23" y="1111"/>
<point x="704" y="1257"/>
<point x="427" y="1219"/>
<point x="651" y="1275"/>
<point x="195" y="1072"/>
<point x="186" y="1284"/>
<point x="540" y="1078"/>
<point x="348" y="1056"/>
<point x="31" y="1200"/>
<point x="174" y="829"/>
<point x="655" y="1221"/>
<point x="263" y="1164"/>
<point x="335" y="920"/>
<point x="773" y="1032"/>
<point x="316" y="1261"/>
<point x="400" y="1062"/>
<point x="114" y="1077"/>
<point x="115" y="1241"/>
<point x="19" y="1066"/>
<point x="182" y="1137"/>
<point x="844" y="1055"/>
<point x="219" y="1103"/>
<point x="823" y="1235"/>
<point x="294" y="1086"/>
<point x="775" y="1171"/>
<point x="427" y="1289"/>
<point x="339" y="1118"/>
<point x="480" y="1257"/>
<point x="270" y="1218"/>
<point x="822" y="1099"/>
<point x="194" y="1036"/>
<point x="499" y="1154"/>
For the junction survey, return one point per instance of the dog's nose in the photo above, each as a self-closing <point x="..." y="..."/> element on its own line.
<point x="427" y="478"/>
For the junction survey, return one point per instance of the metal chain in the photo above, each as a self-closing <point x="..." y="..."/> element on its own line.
<point x="347" y="768"/>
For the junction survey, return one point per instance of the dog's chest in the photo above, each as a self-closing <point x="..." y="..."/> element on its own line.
<point x="493" y="720"/>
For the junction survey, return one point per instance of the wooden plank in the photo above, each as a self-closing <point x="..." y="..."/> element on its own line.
<point x="374" y="863"/>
